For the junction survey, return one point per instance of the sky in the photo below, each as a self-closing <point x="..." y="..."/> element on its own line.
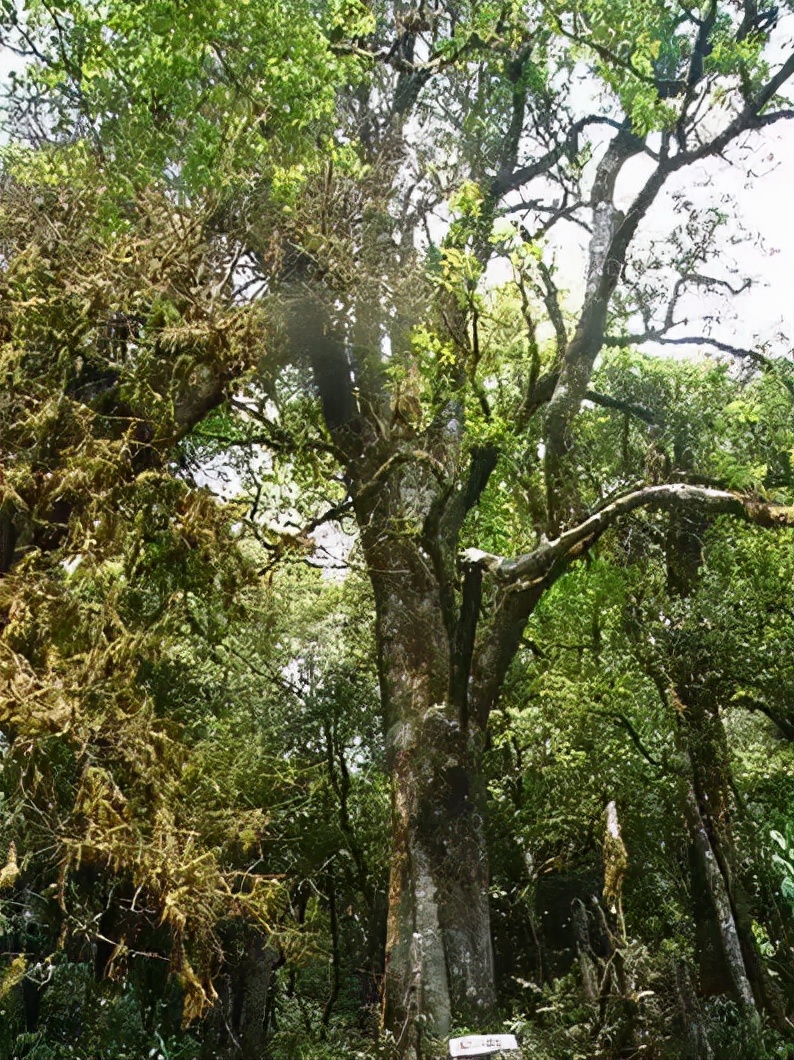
<point x="754" y="186"/>
<point x="757" y="192"/>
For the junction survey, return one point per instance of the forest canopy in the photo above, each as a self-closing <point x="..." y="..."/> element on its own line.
<point x="395" y="601"/>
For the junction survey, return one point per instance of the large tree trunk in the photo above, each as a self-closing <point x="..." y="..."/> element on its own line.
<point x="438" y="959"/>
<point x="709" y="875"/>
<point x="410" y="499"/>
<point x="438" y="949"/>
<point x="707" y="808"/>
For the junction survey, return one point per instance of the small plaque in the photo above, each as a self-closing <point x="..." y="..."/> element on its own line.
<point x="482" y="1044"/>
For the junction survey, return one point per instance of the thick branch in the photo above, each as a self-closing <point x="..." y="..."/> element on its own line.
<point x="773" y="116"/>
<point x="752" y="703"/>
<point x="497" y="644"/>
<point x="770" y="89"/>
<point x="551" y="299"/>
<point x="640" y="412"/>
<point x="465" y="631"/>
<point x="534" y="566"/>
<point x="700" y="51"/>
<point x="512" y="181"/>
<point x="509" y="152"/>
<point x="538" y="395"/>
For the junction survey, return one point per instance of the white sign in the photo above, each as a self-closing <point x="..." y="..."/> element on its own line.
<point x="482" y="1044"/>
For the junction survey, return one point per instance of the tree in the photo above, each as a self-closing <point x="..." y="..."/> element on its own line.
<point x="626" y="689"/>
<point x="311" y="147"/>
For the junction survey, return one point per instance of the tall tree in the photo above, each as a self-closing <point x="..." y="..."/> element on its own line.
<point x="364" y="165"/>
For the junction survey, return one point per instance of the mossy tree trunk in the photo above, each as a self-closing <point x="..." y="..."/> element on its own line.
<point x="438" y="948"/>
<point x="728" y="955"/>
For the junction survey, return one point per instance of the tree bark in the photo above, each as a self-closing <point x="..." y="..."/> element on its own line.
<point x="721" y="901"/>
<point x="439" y="961"/>
<point x="255" y="981"/>
<point x="690" y="1019"/>
<point x="707" y="810"/>
<point x="707" y="799"/>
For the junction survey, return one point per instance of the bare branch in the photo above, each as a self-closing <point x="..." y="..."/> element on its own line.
<point x="640" y="412"/>
<point x="770" y="364"/>
<point x="566" y="211"/>
<point x="507" y="182"/>
<point x="612" y="237"/>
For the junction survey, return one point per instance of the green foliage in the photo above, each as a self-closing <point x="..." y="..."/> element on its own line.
<point x="585" y="719"/>
<point x="785" y="861"/>
<point x="302" y="1033"/>
<point x="194" y="776"/>
<point x="201" y="95"/>
<point x="80" y="1018"/>
<point x="733" y="1035"/>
